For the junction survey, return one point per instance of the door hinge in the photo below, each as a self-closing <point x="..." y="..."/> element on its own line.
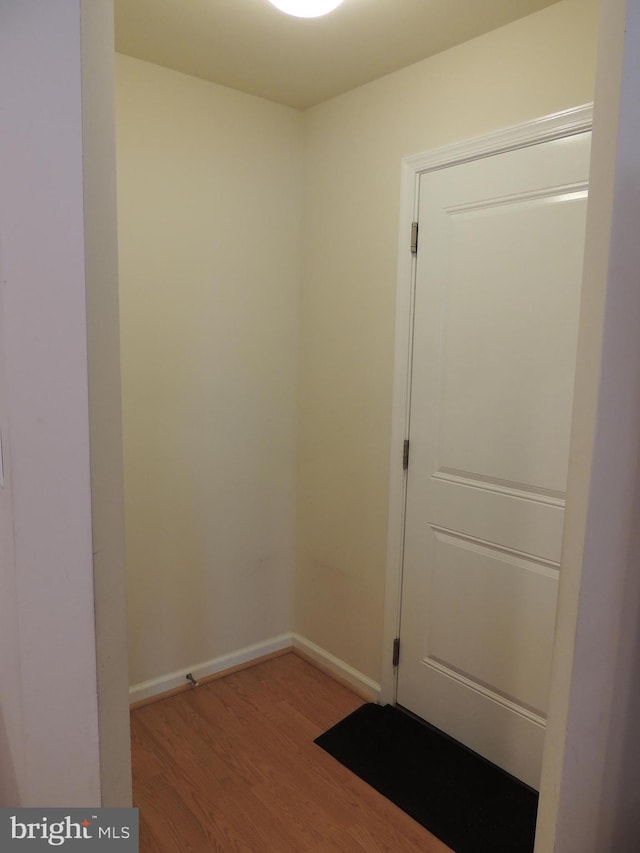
<point x="396" y="651"/>
<point x="405" y="454"/>
<point x="414" y="238"/>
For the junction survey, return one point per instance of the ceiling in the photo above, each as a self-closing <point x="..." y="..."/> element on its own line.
<point x="251" y="46"/>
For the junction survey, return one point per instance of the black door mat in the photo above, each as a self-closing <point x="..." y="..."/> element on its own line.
<point x="465" y="801"/>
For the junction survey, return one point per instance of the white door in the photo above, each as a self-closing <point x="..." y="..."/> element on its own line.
<point x="498" y="281"/>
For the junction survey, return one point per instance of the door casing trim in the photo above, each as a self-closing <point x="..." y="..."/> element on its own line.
<point x="555" y="126"/>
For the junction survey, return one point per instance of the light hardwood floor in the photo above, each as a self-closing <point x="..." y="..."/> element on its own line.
<point x="231" y="766"/>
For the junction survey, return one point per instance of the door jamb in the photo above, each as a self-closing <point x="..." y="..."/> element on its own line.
<point x="555" y="126"/>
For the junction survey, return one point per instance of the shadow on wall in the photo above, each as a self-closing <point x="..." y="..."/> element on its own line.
<point x="622" y="779"/>
<point x="9" y="794"/>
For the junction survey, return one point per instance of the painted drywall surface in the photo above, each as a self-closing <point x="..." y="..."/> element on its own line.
<point x="51" y="596"/>
<point x="601" y="191"/>
<point x="591" y="775"/>
<point x="12" y="758"/>
<point x="105" y="415"/>
<point x="354" y="145"/>
<point x="209" y="202"/>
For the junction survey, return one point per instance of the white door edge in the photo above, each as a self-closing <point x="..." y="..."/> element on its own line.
<point x="555" y="126"/>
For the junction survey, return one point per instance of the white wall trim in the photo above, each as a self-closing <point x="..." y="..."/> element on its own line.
<point x="164" y="683"/>
<point x="361" y="684"/>
<point x="324" y="660"/>
<point x="555" y="126"/>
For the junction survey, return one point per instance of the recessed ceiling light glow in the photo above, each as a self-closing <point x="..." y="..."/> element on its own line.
<point x="306" y="8"/>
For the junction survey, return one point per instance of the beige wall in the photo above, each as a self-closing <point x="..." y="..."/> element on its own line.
<point x="209" y="213"/>
<point x="354" y="145"/>
<point x="210" y="182"/>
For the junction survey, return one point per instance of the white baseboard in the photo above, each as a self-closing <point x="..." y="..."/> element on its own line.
<point x="165" y="683"/>
<point x="361" y="684"/>
<point x="341" y="671"/>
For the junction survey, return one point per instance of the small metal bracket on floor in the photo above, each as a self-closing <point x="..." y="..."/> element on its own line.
<point x="190" y="678"/>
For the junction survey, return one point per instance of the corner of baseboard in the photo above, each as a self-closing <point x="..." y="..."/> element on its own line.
<point x="359" y="683"/>
<point x="174" y="682"/>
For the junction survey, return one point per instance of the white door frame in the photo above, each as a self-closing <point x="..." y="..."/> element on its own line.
<point x="558" y="125"/>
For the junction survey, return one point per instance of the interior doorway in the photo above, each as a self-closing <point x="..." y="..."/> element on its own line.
<point x="494" y="310"/>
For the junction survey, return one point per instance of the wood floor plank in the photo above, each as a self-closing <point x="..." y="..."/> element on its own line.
<point x="231" y="766"/>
